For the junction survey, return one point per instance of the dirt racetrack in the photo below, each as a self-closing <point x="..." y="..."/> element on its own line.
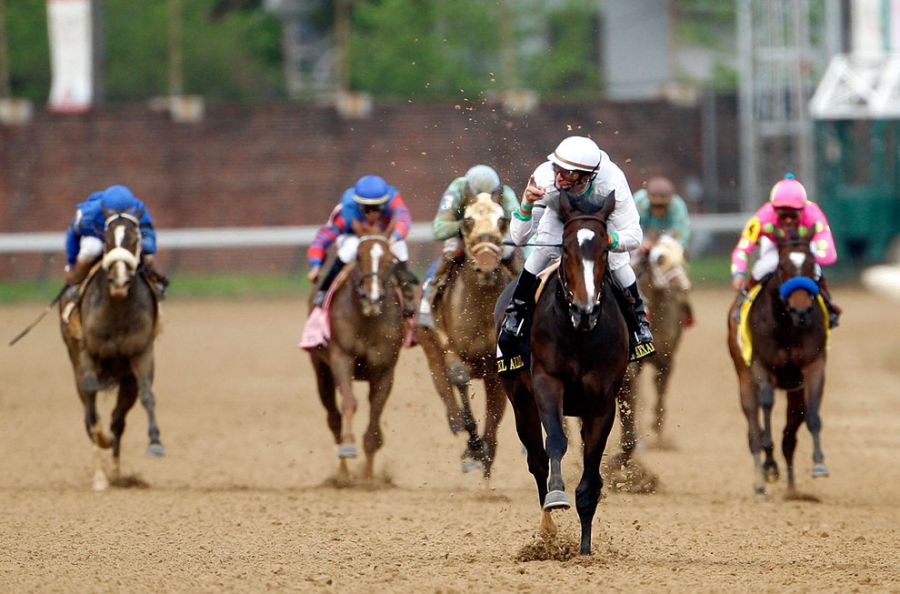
<point x="241" y="502"/>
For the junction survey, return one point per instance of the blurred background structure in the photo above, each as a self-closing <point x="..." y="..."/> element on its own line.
<point x="254" y="114"/>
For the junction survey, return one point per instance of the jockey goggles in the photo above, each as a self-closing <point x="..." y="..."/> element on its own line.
<point x="572" y="175"/>
<point x="787" y="214"/>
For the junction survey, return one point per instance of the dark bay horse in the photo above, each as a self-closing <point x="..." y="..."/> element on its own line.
<point x="788" y="332"/>
<point x="663" y="280"/>
<point x="113" y="344"/>
<point x="579" y="353"/>
<point x="366" y="336"/>
<point x="463" y="346"/>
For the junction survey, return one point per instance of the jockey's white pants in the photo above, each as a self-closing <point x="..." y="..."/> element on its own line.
<point x="549" y="235"/>
<point x="767" y="261"/>
<point x="90" y="248"/>
<point x="347" y="246"/>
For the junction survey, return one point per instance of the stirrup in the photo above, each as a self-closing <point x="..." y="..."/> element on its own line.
<point x="424" y="319"/>
<point x="319" y="299"/>
<point x="512" y="327"/>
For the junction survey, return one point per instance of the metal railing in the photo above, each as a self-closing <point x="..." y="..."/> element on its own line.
<point x="702" y="225"/>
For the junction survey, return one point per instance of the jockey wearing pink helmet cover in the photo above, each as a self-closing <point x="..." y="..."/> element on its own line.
<point x="788" y="205"/>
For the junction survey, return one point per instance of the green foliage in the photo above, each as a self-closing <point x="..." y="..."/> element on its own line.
<point x="29" y="54"/>
<point x="567" y="68"/>
<point x="432" y="49"/>
<point x="426" y="49"/>
<point x="235" y="58"/>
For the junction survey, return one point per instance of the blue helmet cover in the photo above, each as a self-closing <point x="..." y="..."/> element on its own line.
<point x="118" y="198"/>
<point x="371" y="189"/>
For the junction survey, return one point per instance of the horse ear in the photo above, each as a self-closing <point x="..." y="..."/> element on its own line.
<point x="609" y="205"/>
<point x="106" y="212"/>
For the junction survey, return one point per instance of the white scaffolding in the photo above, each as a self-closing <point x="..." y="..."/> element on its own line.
<point x="859" y="86"/>
<point x="783" y="46"/>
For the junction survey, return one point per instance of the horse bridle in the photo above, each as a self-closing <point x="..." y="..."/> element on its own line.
<point x="568" y="294"/>
<point x="362" y="276"/>
<point x="795" y="283"/>
<point x="118" y="253"/>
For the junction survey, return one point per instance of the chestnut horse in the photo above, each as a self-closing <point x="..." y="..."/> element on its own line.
<point x="113" y="344"/>
<point x="579" y="353"/>
<point x="366" y="336"/>
<point x="462" y="346"/>
<point x="788" y="333"/>
<point x="664" y="282"/>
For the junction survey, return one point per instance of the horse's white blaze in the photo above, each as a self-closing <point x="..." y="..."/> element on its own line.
<point x="377" y="252"/>
<point x="119" y="236"/>
<point x="797" y="259"/>
<point x="587" y="264"/>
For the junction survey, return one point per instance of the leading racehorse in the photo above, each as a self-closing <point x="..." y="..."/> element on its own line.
<point x="113" y="343"/>
<point x="579" y="353"/>
<point x="781" y="343"/>
<point x="366" y="328"/>
<point x="463" y="346"/>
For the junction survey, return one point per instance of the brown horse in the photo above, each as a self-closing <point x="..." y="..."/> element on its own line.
<point x="664" y="282"/>
<point x="788" y="332"/>
<point x="462" y="346"/>
<point x="579" y="353"/>
<point x="366" y="336"/>
<point x="113" y="344"/>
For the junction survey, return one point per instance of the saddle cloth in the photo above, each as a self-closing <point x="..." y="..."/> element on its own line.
<point x="516" y="354"/>
<point x="744" y="336"/>
<point x="317" y="329"/>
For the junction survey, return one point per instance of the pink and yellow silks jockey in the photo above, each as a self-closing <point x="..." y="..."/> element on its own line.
<point x="787" y="205"/>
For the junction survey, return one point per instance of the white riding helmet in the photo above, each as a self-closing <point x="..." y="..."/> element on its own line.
<point x="577" y="153"/>
<point x="482" y="178"/>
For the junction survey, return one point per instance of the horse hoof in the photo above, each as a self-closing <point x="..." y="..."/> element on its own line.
<point x="156" y="450"/>
<point x="772" y="475"/>
<point x="556" y="500"/>
<point x="820" y="471"/>
<point x="346" y="450"/>
<point x="470" y="465"/>
<point x="101" y="483"/>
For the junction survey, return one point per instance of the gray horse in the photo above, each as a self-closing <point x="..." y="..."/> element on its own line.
<point x="110" y="341"/>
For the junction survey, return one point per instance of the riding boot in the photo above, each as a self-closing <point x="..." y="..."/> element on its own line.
<point x="742" y="297"/>
<point x="408" y="282"/>
<point x="327" y="281"/>
<point x="432" y="289"/>
<point x="518" y="312"/>
<point x="640" y="338"/>
<point x="75" y="275"/>
<point x="158" y="281"/>
<point x="834" y="311"/>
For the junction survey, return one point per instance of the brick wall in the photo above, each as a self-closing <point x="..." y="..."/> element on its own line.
<point x="288" y="164"/>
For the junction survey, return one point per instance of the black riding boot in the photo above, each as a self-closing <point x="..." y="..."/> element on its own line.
<point x="518" y="312"/>
<point x="158" y="282"/>
<point x="512" y="343"/>
<point x="640" y="339"/>
<point x="408" y="282"/>
<point x="834" y="311"/>
<point x="327" y="281"/>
